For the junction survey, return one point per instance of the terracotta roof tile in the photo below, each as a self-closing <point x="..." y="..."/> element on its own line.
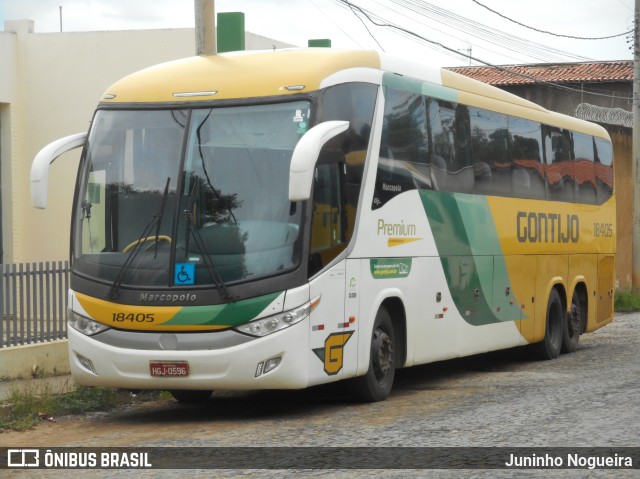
<point x="557" y="73"/>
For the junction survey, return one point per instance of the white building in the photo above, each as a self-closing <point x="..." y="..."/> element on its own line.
<point x="50" y="83"/>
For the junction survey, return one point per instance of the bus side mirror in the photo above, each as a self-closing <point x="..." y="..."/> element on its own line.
<point x="305" y="156"/>
<point x="40" y="166"/>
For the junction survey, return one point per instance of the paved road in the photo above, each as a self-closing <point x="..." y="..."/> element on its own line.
<point x="590" y="398"/>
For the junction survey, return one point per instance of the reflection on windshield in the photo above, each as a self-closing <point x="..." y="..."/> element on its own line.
<point x="235" y="193"/>
<point x="231" y="219"/>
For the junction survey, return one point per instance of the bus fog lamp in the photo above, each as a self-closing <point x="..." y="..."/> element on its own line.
<point x="271" y="364"/>
<point x="86" y="363"/>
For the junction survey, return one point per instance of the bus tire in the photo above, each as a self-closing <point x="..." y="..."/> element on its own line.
<point x="376" y="384"/>
<point x="551" y="345"/>
<point x="187" y="396"/>
<point x="573" y="325"/>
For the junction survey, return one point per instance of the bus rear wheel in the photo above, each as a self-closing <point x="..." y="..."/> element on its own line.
<point x="573" y="325"/>
<point x="550" y="346"/>
<point x="376" y="384"/>
<point x="186" y="396"/>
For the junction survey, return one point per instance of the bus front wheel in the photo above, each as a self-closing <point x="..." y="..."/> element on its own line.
<point x="550" y="346"/>
<point x="376" y="384"/>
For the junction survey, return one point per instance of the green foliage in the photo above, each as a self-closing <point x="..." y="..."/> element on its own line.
<point x="86" y="399"/>
<point x="28" y="406"/>
<point x="626" y="302"/>
<point x="22" y="409"/>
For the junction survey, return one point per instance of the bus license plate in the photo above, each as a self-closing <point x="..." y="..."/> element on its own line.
<point x="169" y="368"/>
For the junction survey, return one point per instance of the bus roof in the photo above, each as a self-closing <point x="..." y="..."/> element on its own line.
<point x="237" y="75"/>
<point x="284" y="72"/>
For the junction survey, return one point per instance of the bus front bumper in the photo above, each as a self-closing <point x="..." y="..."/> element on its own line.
<point x="239" y="367"/>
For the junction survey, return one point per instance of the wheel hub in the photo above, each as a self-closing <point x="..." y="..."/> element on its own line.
<point x="384" y="357"/>
<point x="574" y="320"/>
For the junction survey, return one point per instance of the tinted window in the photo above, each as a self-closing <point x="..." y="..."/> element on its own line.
<point x="402" y="164"/>
<point x="583" y="168"/>
<point x="558" y="165"/>
<point x="353" y="102"/>
<point x="526" y="151"/>
<point x="603" y="169"/>
<point x="466" y="149"/>
<point x="339" y="172"/>
<point x="451" y="165"/>
<point x="490" y="146"/>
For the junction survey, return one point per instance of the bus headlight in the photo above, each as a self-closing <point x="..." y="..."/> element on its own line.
<point x="85" y="325"/>
<point x="278" y="322"/>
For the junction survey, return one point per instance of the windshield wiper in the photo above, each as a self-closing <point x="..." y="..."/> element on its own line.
<point x="155" y="221"/>
<point x="202" y="248"/>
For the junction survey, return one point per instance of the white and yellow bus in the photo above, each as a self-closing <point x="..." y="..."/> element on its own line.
<point x="277" y="220"/>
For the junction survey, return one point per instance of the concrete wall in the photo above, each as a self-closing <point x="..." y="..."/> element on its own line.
<point x="622" y="147"/>
<point x="53" y="84"/>
<point x="8" y="94"/>
<point x="35" y="360"/>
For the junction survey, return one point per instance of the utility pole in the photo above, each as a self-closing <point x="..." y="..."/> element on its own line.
<point x="635" y="164"/>
<point x="60" y="18"/>
<point x="206" y="27"/>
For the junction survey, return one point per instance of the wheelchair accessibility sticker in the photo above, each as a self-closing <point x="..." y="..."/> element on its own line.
<point x="185" y="273"/>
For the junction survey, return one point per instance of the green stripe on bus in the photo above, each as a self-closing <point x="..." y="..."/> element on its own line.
<point x="432" y="90"/>
<point x="231" y="314"/>
<point x="471" y="255"/>
<point x="440" y="92"/>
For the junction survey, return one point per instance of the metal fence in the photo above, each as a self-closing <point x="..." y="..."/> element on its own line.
<point x="33" y="302"/>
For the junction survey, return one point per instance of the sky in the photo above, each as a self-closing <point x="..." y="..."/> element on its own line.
<point x="462" y="28"/>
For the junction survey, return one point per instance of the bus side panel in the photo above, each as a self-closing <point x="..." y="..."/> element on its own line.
<point x="442" y="329"/>
<point x="551" y="270"/>
<point x="606" y="276"/>
<point x="328" y="337"/>
<point x="522" y="272"/>
<point x="433" y="324"/>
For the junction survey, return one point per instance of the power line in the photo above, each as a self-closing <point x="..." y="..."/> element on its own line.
<point x="336" y="24"/>
<point x="380" y="22"/>
<point x="365" y="25"/>
<point x="453" y="22"/>
<point x="625" y="6"/>
<point x="493" y="36"/>
<point x="550" y="33"/>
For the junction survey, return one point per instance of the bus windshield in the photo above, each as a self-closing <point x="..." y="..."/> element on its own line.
<point x="189" y="197"/>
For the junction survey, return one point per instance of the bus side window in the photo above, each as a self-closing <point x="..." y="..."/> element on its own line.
<point x="490" y="146"/>
<point x="402" y="163"/>
<point x="451" y="166"/>
<point x="583" y="168"/>
<point x="328" y="220"/>
<point x="603" y="162"/>
<point x="559" y="164"/>
<point x="528" y="177"/>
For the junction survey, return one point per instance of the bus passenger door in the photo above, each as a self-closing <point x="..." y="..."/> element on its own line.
<point x="330" y="333"/>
